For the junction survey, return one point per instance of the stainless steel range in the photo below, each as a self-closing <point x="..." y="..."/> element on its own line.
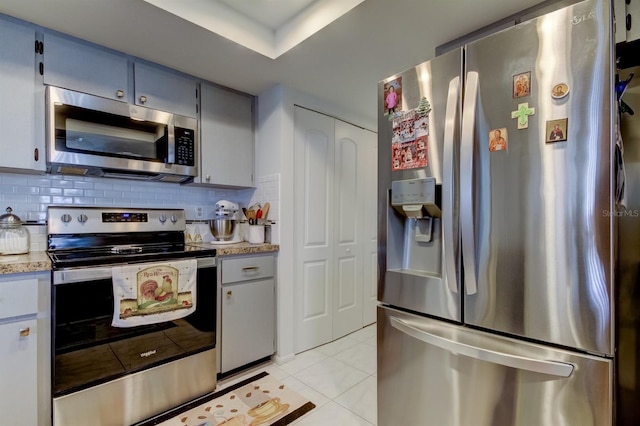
<point x="105" y="370"/>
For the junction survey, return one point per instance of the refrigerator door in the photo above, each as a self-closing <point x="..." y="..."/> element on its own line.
<point x="536" y="215"/>
<point x="433" y="373"/>
<point x="420" y="270"/>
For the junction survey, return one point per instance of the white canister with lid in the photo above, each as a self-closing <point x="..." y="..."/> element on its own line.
<point x="14" y="238"/>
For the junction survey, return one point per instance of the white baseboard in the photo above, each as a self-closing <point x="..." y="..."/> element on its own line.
<point x="283" y="359"/>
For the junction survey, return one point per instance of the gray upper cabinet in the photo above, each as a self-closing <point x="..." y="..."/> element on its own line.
<point x="78" y="66"/>
<point x="226" y="138"/>
<point x="161" y="89"/>
<point x="21" y="103"/>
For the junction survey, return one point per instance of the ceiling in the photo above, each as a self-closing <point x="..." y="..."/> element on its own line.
<point x="340" y="64"/>
<point x="269" y="27"/>
<point x="271" y="13"/>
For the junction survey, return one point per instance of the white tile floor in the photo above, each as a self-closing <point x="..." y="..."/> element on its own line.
<point x="339" y="378"/>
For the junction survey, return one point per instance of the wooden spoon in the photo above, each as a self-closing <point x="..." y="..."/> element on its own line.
<point x="265" y="210"/>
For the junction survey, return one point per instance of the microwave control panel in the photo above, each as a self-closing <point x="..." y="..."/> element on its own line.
<point x="185" y="146"/>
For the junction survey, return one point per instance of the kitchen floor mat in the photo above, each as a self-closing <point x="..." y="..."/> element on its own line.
<point x="259" y="400"/>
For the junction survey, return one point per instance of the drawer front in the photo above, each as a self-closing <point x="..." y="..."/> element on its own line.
<point x="247" y="268"/>
<point x="18" y="297"/>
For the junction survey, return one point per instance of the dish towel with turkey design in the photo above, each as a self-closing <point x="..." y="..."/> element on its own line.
<point x="150" y="293"/>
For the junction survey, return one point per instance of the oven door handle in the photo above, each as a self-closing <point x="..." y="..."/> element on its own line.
<point x="105" y="273"/>
<point x="79" y="275"/>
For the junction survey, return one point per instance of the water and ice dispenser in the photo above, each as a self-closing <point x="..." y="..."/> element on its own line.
<point x="414" y="234"/>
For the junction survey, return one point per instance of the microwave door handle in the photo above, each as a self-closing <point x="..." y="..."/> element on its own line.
<point x="466" y="182"/>
<point x="553" y="368"/>
<point x="171" y="144"/>
<point x="448" y="183"/>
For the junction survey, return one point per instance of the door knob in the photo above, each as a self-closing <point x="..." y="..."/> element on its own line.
<point x="120" y="93"/>
<point x="143" y="99"/>
<point x="24" y="332"/>
<point x="229" y="293"/>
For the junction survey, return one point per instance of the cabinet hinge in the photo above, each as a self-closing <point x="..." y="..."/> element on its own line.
<point x="39" y="47"/>
<point x="41" y="68"/>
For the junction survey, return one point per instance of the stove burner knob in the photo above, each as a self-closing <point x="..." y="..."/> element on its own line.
<point x="82" y="218"/>
<point x="162" y="218"/>
<point x="66" y="218"/>
<point x="173" y="218"/>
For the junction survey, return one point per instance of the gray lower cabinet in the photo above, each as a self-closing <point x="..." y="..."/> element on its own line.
<point x="25" y="349"/>
<point x="247" y="310"/>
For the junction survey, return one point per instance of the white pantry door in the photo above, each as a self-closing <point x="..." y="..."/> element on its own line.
<point x="368" y="165"/>
<point x="314" y="143"/>
<point x="335" y="203"/>
<point x="347" y="255"/>
<point x="355" y="177"/>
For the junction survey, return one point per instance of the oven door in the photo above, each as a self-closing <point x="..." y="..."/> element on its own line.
<point x="88" y="351"/>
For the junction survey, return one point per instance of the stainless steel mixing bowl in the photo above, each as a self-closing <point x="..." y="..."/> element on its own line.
<point x="222" y="229"/>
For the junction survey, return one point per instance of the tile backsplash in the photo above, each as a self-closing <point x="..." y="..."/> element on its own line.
<point x="37" y="237"/>
<point x="30" y="195"/>
<point x="267" y="190"/>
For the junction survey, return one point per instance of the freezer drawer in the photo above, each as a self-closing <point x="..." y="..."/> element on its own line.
<point x="438" y="374"/>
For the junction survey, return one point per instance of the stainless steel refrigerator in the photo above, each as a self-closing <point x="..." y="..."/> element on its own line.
<point x="502" y="221"/>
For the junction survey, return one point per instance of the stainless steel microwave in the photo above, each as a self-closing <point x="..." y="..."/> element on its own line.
<point x="93" y="136"/>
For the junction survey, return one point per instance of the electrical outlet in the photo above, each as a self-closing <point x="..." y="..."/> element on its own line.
<point x="199" y="212"/>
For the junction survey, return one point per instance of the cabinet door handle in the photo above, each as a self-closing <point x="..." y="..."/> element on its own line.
<point x="229" y="293"/>
<point x="24" y="332"/>
<point x="250" y="268"/>
<point x="120" y="93"/>
<point x="143" y="99"/>
<point x="36" y="154"/>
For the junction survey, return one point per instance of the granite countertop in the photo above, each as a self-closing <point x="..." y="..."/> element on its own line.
<point x="31" y="262"/>
<point x="39" y="260"/>
<point x="237" y="248"/>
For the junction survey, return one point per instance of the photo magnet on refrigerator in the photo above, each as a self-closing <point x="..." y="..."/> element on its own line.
<point x="560" y="90"/>
<point x="522" y="85"/>
<point x="410" y="141"/>
<point x="498" y="139"/>
<point x="556" y="130"/>
<point x="392" y="96"/>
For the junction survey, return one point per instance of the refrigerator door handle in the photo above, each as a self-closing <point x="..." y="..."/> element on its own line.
<point x="554" y="368"/>
<point x="448" y="183"/>
<point x="466" y="182"/>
